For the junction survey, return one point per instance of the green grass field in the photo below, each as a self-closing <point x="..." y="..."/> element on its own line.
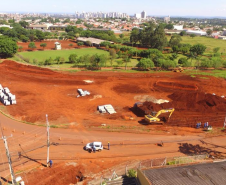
<point x="210" y="43"/>
<point x="42" y="55"/>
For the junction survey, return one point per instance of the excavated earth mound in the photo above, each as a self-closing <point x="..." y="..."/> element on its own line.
<point x="199" y="104"/>
<point x="194" y="101"/>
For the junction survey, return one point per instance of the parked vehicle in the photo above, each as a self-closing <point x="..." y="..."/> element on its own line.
<point x="97" y="145"/>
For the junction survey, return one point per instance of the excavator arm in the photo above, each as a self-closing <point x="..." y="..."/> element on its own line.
<point x="150" y="118"/>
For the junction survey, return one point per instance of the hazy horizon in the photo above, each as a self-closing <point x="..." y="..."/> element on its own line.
<point x="175" y="8"/>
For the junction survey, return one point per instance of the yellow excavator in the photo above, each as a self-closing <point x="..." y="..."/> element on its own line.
<point x="154" y="117"/>
<point x="178" y="69"/>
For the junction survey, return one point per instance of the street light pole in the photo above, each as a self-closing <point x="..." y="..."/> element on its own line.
<point x="48" y="144"/>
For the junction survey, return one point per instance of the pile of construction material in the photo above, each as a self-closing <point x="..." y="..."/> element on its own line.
<point x="82" y="93"/>
<point x="6" y="97"/>
<point x="106" y="108"/>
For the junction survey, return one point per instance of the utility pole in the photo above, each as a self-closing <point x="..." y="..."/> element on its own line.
<point x="4" y="138"/>
<point x="48" y="144"/>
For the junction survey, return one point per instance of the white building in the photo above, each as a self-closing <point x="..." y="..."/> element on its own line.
<point x="57" y="46"/>
<point x="222" y="37"/>
<point x="4" y="25"/>
<point x="196" y="32"/>
<point x="178" y="27"/>
<point x="167" y="19"/>
<point x="224" y="33"/>
<point x="137" y="15"/>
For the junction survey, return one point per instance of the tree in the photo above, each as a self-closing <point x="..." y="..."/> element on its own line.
<point x="23" y="38"/>
<point x="24" y="24"/>
<point x="8" y="47"/>
<point x="132" y="173"/>
<point x="43" y="45"/>
<point x="184" y="62"/>
<point x="145" y="36"/>
<point x="57" y="59"/>
<point x="112" y="54"/>
<point x="62" y="60"/>
<point x="175" y="40"/>
<point x="134" y="36"/>
<point x="184" y="48"/>
<point x="169" y="26"/>
<point x="198" y="49"/>
<point x="20" y="48"/>
<point x="192" y="35"/>
<point x="32" y="45"/>
<point x="88" y="43"/>
<point x="145" y="63"/>
<point x="80" y="43"/>
<point x="40" y="35"/>
<point x="125" y="59"/>
<point x="159" y="40"/>
<point x="73" y="58"/>
<point x="215" y="50"/>
<point x="217" y="62"/>
<point x="182" y="33"/>
<point x="79" y="21"/>
<point x="77" y="35"/>
<point x="209" y="32"/>
<point x="67" y="20"/>
<point x="121" y="36"/>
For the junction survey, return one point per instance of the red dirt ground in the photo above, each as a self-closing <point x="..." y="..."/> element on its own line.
<point x="40" y="91"/>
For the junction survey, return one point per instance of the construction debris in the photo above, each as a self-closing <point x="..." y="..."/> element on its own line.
<point x="88" y="81"/>
<point x="82" y="93"/>
<point x="106" y="108"/>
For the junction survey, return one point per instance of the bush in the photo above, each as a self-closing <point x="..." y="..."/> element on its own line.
<point x="27" y="60"/>
<point x="80" y="43"/>
<point x="132" y="173"/>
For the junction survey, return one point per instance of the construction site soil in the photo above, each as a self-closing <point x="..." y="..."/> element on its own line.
<point x="41" y="91"/>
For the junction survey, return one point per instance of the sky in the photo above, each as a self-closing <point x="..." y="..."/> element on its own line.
<point x="205" y="8"/>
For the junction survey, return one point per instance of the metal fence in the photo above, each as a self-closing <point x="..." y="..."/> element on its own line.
<point x="123" y="168"/>
<point x="169" y="161"/>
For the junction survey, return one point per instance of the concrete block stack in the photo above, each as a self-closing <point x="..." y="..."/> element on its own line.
<point x="6" y="97"/>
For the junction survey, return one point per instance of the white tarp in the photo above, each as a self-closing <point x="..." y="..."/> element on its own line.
<point x="82" y="93"/>
<point x="109" y="108"/>
<point x="101" y="109"/>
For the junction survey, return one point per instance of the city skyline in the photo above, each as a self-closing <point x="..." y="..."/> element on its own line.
<point x="162" y="8"/>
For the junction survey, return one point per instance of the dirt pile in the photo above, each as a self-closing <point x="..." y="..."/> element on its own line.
<point x="57" y="175"/>
<point x="190" y="101"/>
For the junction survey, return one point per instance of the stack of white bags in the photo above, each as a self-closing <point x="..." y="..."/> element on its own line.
<point x="6" y="97"/>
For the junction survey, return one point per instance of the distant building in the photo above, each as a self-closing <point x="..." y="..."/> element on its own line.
<point x="196" y="32"/>
<point x="222" y="37"/>
<point x="38" y="27"/>
<point x="57" y="27"/>
<point x="167" y="19"/>
<point x="137" y="15"/>
<point x="224" y="33"/>
<point x="171" y="32"/>
<point x="4" y="25"/>
<point x="143" y="15"/>
<point x="178" y="27"/>
<point x="57" y="46"/>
